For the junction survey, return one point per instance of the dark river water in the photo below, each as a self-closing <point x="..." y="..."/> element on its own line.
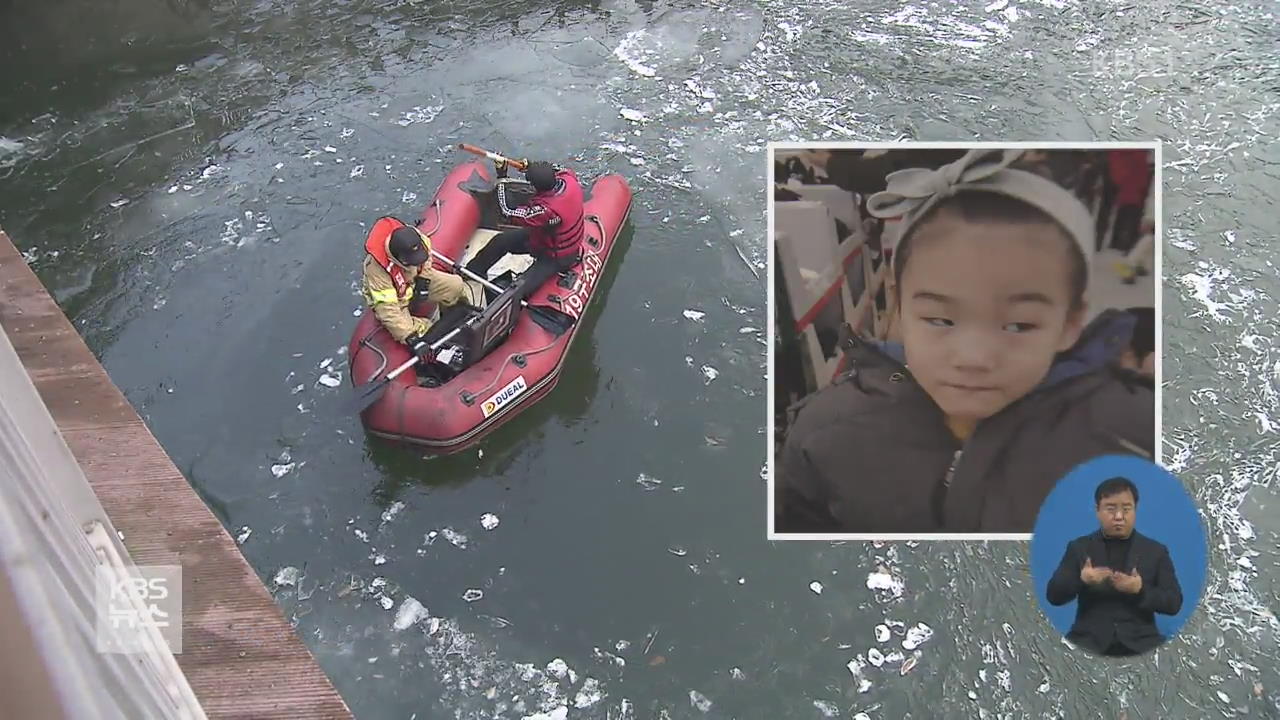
<point x="194" y="183"/>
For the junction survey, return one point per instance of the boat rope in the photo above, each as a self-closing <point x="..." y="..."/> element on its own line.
<point x="364" y="343"/>
<point x="497" y="375"/>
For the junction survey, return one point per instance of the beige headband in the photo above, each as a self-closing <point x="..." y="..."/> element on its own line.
<point x="911" y="193"/>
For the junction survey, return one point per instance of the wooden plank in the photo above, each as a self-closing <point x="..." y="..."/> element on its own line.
<point x="240" y="654"/>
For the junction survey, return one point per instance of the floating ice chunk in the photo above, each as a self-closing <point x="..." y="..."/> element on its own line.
<point x="379" y="559"/>
<point x="298" y="389"/>
<point x="558" y="668"/>
<point x="709" y="373"/>
<point x="621" y="645"/>
<point x="386" y="602"/>
<point x="346" y="133"/>
<point x="908" y="665"/>
<point x="694" y="315"/>
<point x="862" y="716"/>
<point x="364" y="537"/>
<point x="917" y="636"/>
<point x="649" y="483"/>
<point x="589" y="694"/>
<point x="208" y="173"/>
<point x="1223" y="697"/>
<point x="629" y="51"/>
<point x="828" y="709"/>
<point x="875" y="657"/>
<point x="411" y="611"/>
<point x="357" y="312"/>
<point x="633" y="115"/>
<point x="454" y="537"/>
<point x="489" y="521"/>
<point x="472" y="594"/>
<point x="855" y="669"/>
<point x="408" y="196"/>
<point x="376" y="583"/>
<point x="677" y="551"/>
<point x="331" y="380"/>
<point x="390" y="513"/>
<point x="883" y="580"/>
<point x="560" y="713"/>
<point x="882" y="633"/>
<point x="330" y="149"/>
<point x="173" y="189"/>
<point x="433" y="626"/>
<point x="419" y="114"/>
<point x="279" y="165"/>
<point x="326" y="363"/>
<point x="282" y="469"/>
<point x="357" y="171"/>
<point x="119" y="203"/>
<point x="747" y="330"/>
<point x="245" y="532"/>
<point x="816" y="587"/>
<point x="288" y="576"/>
<point x="1245" y="562"/>
<point x="973" y="695"/>
<point x="699" y="701"/>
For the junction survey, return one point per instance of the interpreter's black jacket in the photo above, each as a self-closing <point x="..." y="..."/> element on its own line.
<point x="1103" y="613"/>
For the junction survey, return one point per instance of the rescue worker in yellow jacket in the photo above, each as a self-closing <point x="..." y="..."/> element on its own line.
<point x="397" y="268"/>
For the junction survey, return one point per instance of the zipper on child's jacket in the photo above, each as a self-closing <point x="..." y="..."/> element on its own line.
<point x="940" y="496"/>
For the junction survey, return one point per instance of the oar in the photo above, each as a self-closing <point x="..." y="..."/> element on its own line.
<point x="548" y="318"/>
<point x="517" y="164"/>
<point x="364" y="396"/>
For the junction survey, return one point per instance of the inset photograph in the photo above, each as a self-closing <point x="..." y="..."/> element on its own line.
<point x="954" y="329"/>
<point x="1119" y="556"/>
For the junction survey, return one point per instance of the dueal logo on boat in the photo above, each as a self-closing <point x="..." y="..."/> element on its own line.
<point x="504" y="396"/>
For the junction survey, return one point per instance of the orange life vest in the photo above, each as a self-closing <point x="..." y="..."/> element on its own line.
<point x="376" y="246"/>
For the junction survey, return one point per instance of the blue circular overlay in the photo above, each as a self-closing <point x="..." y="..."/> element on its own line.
<point x="1166" y="513"/>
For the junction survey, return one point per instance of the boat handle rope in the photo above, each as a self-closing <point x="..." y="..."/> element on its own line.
<point x="364" y="343"/>
<point x="469" y="397"/>
<point x="439" y="206"/>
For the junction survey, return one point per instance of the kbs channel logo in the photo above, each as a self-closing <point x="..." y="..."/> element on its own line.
<point x="1132" y="62"/>
<point x="134" y="602"/>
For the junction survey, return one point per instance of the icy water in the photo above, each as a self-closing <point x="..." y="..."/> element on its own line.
<point x="195" y="188"/>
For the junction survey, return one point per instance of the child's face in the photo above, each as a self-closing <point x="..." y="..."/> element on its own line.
<point x="985" y="307"/>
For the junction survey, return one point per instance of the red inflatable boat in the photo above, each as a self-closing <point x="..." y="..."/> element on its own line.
<point x="506" y="359"/>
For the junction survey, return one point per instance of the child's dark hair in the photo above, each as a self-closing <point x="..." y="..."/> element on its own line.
<point x="981" y="206"/>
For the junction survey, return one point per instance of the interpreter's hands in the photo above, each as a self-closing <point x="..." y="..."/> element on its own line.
<point x="1130" y="582"/>
<point x="1091" y="575"/>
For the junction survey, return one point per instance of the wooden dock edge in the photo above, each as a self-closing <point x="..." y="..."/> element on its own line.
<point x="239" y="654"/>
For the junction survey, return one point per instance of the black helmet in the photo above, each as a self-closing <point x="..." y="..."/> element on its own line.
<point x="407" y="248"/>
<point x="541" y="175"/>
